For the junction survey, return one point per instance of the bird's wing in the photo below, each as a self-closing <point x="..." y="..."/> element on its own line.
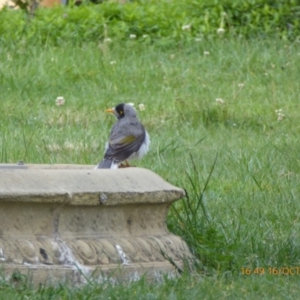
<point x="125" y="139"/>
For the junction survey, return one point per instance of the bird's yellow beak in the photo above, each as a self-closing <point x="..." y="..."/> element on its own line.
<point x="110" y="110"/>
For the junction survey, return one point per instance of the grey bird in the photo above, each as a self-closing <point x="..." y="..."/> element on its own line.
<point x="128" y="138"/>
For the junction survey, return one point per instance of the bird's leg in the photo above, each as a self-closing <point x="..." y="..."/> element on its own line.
<point x="125" y="165"/>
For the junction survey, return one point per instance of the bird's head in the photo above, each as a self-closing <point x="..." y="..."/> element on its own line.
<point x="122" y="110"/>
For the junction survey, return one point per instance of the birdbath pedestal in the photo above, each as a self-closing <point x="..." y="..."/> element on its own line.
<point x="70" y="222"/>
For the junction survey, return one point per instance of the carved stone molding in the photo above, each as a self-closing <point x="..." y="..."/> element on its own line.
<point x="59" y="221"/>
<point x="92" y="252"/>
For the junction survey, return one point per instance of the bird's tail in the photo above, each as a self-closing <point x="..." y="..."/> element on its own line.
<point x="107" y="163"/>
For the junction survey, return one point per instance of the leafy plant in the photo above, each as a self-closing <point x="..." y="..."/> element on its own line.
<point x="172" y="21"/>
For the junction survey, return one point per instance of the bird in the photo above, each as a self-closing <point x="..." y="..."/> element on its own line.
<point x="128" y="138"/>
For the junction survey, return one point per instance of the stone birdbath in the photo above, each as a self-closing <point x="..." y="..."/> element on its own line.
<point x="70" y="222"/>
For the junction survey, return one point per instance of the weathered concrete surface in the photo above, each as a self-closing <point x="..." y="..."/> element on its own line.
<point x="82" y="187"/>
<point x="64" y="224"/>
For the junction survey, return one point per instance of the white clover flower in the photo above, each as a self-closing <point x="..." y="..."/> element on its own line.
<point x="220" y="101"/>
<point x="206" y="53"/>
<point x="224" y="14"/>
<point x="172" y="56"/>
<point x="9" y="57"/>
<point x="186" y="27"/>
<point x="132" y="36"/>
<point x="220" y="31"/>
<point x="113" y="62"/>
<point x="141" y="106"/>
<point x="280" y="114"/>
<point x="107" y="40"/>
<point x="145" y="36"/>
<point x="280" y="117"/>
<point x="60" y="101"/>
<point x="198" y="39"/>
<point x="241" y="85"/>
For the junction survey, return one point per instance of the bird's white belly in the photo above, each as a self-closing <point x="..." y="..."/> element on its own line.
<point x="143" y="149"/>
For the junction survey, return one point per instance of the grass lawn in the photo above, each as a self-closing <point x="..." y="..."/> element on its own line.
<point x="187" y="288"/>
<point x="228" y="103"/>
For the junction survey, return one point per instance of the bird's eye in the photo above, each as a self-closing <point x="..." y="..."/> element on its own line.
<point x="121" y="112"/>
